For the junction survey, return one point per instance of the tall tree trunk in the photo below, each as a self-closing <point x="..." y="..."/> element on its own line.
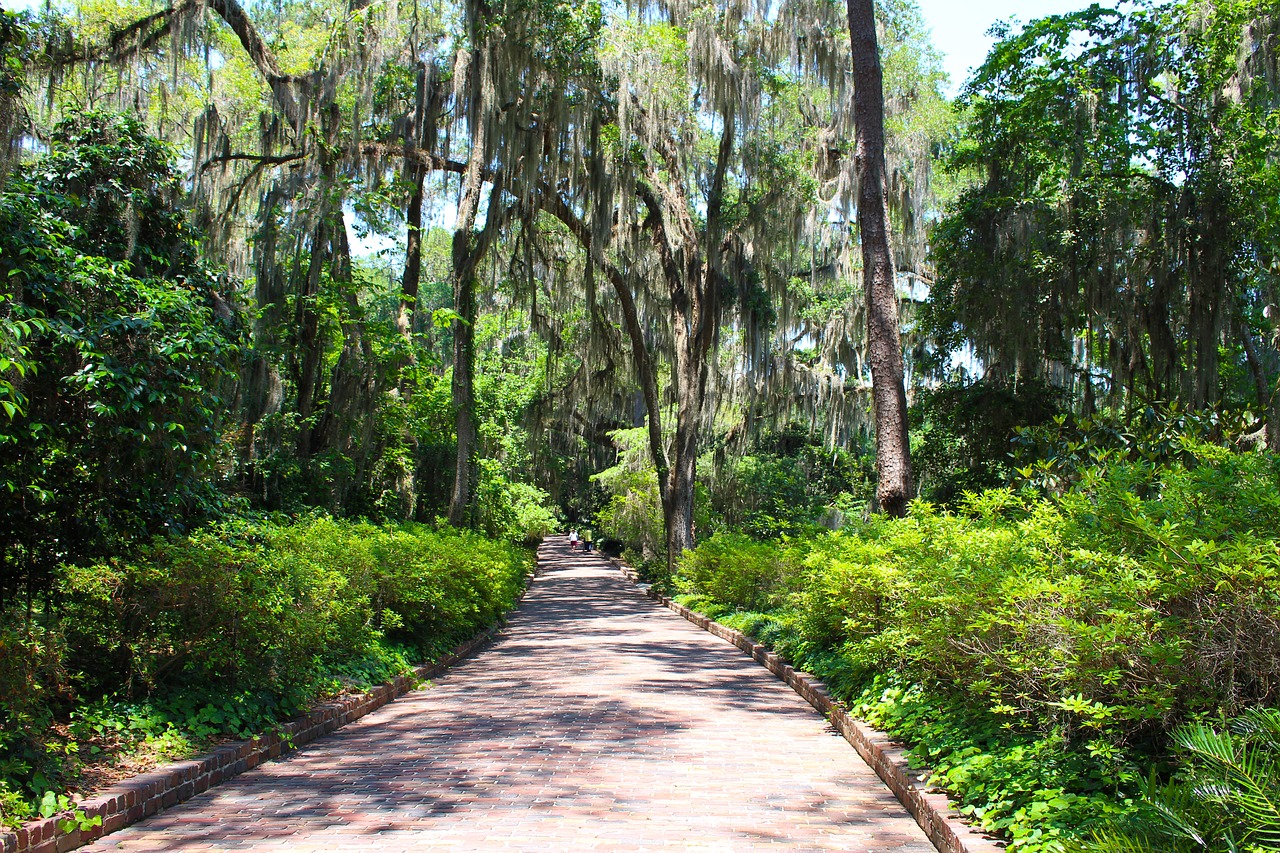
<point x="691" y="387"/>
<point x="413" y="215"/>
<point x="464" y="297"/>
<point x="894" y="486"/>
<point x="412" y="253"/>
<point x="464" y="398"/>
<point x="347" y="422"/>
<point x="307" y="321"/>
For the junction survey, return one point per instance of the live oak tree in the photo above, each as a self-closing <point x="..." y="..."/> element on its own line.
<point x="1113" y="245"/>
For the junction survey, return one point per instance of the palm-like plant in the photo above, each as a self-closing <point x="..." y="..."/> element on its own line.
<point x="1226" y="799"/>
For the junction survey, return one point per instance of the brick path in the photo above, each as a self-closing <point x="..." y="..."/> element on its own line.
<point x="598" y="721"/>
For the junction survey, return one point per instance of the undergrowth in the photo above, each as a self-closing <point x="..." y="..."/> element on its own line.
<point x="225" y="633"/>
<point x="1040" y="654"/>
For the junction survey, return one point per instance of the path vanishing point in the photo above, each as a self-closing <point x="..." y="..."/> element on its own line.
<point x="597" y="720"/>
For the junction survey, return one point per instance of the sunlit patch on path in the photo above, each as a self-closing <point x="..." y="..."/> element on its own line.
<point x="597" y="721"/>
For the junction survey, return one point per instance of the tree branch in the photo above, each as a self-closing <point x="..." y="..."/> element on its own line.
<point x="560" y="209"/>
<point x="259" y="159"/>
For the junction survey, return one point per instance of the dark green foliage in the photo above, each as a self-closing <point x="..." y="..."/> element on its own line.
<point x="232" y="628"/>
<point x="116" y="407"/>
<point x="784" y="483"/>
<point x="1052" y="455"/>
<point x="962" y="436"/>
<point x="1225" y="797"/>
<point x="1113" y="234"/>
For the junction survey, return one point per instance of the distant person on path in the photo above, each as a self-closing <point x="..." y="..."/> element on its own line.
<point x="586" y="539"/>
<point x="573" y="539"/>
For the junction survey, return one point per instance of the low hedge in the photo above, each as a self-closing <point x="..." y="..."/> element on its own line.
<point x="227" y="630"/>
<point x="1039" y="651"/>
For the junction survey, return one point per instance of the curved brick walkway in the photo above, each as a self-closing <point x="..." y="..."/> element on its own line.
<point x="598" y="721"/>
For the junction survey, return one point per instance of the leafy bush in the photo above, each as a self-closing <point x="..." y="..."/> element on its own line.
<point x="1037" y="650"/>
<point x="733" y="569"/>
<point x="1053" y="455"/>
<point x="113" y="349"/>
<point x="1224" y="799"/>
<point x="228" y="629"/>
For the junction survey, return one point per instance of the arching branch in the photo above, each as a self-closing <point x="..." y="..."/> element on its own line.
<point x="560" y="209"/>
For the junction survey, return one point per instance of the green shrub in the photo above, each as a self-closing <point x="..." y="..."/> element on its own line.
<point x="1042" y="649"/>
<point x="962" y="433"/>
<point x="430" y="598"/>
<point x="123" y="354"/>
<point x="1225" y="798"/>
<point x="230" y="629"/>
<point x="735" y="570"/>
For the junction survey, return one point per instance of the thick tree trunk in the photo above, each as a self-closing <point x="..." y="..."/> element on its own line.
<point x="412" y="254"/>
<point x="413" y="214"/>
<point x="464" y="258"/>
<point x="681" y="485"/>
<point x="346" y="423"/>
<point x="894" y="486"/>
<point x="307" y="359"/>
<point x="464" y="398"/>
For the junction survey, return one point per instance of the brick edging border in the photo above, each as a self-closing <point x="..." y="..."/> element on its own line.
<point x="931" y="810"/>
<point x="141" y="796"/>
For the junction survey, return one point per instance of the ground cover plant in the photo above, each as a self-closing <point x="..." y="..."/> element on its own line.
<point x="1040" y="651"/>
<point x="533" y="261"/>
<point x="225" y="632"/>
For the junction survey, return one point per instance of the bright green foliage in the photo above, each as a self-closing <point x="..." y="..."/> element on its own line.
<point x="633" y="514"/>
<point x="733" y="569"/>
<point x="229" y="629"/>
<point x="515" y="511"/>
<point x="1037" y="650"/>
<point x="1022" y="784"/>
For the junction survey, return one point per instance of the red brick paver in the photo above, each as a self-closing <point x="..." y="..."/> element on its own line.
<point x="598" y="721"/>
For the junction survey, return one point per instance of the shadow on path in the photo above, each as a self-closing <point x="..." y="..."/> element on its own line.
<point x="596" y="721"/>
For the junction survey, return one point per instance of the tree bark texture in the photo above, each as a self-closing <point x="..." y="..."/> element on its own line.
<point x="464" y="298"/>
<point x="308" y="353"/>
<point x="1268" y="400"/>
<point x="464" y="397"/>
<point x="420" y="133"/>
<point x="894" y="485"/>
